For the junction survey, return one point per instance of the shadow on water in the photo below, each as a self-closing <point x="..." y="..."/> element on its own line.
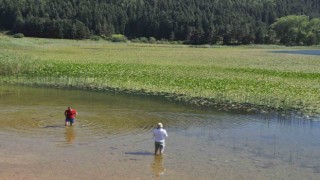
<point x="140" y="153"/>
<point x="54" y="126"/>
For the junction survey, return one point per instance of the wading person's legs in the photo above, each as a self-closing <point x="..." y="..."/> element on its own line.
<point x="156" y="147"/>
<point x="161" y="148"/>
<point x="71" y="122"/>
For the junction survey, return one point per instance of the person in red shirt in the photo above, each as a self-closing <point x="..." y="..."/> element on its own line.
<point x="70" y="116"/>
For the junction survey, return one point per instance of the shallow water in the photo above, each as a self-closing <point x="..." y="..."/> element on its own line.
<point x="112" y="139"/>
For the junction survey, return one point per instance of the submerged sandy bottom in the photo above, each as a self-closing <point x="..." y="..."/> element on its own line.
<point x="120" y="160"/>
<point x="112" y="140"/>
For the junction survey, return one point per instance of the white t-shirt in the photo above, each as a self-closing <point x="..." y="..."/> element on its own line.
<point x="159" y="135"/>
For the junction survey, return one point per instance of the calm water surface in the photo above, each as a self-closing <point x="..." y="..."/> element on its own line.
<point x="315" y="52"/>
<point x="112" y="139"/>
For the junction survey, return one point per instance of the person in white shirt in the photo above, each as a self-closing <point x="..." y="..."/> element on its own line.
<point x="159" y="135"/>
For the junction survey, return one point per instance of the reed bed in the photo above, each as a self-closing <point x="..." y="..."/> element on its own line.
<point x="236" y="76"/>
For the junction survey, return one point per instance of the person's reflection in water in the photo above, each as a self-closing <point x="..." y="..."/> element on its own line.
<point x="157" y="166"/>
<point x="70" y="135"/>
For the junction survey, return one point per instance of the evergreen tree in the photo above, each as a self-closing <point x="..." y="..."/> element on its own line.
<point x="191" y="21"/>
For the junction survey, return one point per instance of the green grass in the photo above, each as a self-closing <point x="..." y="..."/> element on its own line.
<point x="243" y="74"/>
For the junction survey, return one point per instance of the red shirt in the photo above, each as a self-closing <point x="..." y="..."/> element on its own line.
<point x="71" y="113"/>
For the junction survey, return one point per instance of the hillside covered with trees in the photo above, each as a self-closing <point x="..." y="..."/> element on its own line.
<point x="191" y="21"/>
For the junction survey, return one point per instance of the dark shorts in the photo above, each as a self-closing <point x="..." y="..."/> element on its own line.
<point x="157" y="145"/>
<point x="71" y="120"/>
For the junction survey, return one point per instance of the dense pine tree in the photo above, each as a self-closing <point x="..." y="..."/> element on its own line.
<point x="192" y="21"/>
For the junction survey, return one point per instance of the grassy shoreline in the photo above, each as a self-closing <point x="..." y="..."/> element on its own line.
<point x="244" y="77"/>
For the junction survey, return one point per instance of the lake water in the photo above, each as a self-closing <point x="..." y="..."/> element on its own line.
<point x="112" y="139"/>
<point x="303" y="52"/>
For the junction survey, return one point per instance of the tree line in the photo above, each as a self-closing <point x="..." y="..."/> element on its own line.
<point x="191" y="21"/>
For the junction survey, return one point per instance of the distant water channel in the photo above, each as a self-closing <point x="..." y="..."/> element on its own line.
<point x="303" y="52"/>
<point x="112" y="139"/>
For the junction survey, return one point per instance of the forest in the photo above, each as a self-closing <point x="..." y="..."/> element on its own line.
<point x="191" y="21"/>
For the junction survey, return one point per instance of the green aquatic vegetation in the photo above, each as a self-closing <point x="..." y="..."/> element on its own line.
<point x="224" y="74"/>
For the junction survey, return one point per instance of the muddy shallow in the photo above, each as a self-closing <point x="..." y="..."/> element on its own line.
<point x="112" y="139"/>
